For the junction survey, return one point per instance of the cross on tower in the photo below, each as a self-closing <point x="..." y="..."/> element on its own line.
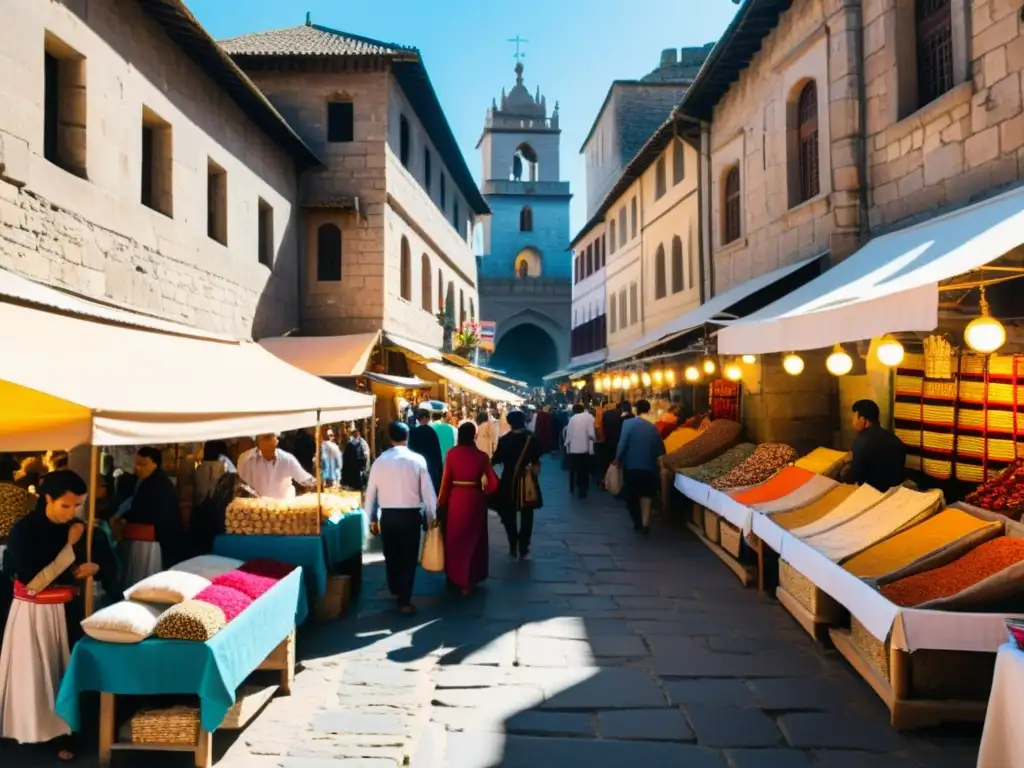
<point x="518" y="41"/>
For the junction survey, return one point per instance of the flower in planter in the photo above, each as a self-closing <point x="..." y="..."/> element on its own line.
<point x="468" y="336"/>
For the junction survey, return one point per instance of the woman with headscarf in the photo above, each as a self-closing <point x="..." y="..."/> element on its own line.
<point x="519" y="453"/>
<point x="466" y="481"/>
<point x="45" y="565"/>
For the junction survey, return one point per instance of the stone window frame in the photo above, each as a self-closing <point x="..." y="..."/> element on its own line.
<point x="442" y="192"/>
<point x="660" y="178"/>
<point x="732" y="205"/>
<point x="808" y="144"/>
<point x="623" y="232"/>
<point x="65" y="106"/>
<point x="440" y="289"/>
<point x="404" y="141"/>
<point x="678" y="265"/>
<point x="901" y="38"/>
<point x="810" y="62"/>
<point x="611" y="238"/>
<point x="526" y="219"/>
<point x="428" y="170"/>
<point x="405" y="270"/>
<point x="634" y="303"/>
<point x="265" y="233"/>
<point x="613" y="317"/>
<point x="623" y="310"/>
<point x="678" y="161"/>
<point x="156" y="163"/>
<point x="340" y="120"/>
<point x="325" y="272"/>
<point x="426" y="284"/>
<point x="633" y="219"/>
<point x="726" y="156"/>
<point x="216" y="202"/>
<point x="660" y="273"/>
<point x="590" y="260"/>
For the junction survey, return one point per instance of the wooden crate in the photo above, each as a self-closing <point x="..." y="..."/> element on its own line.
<point x="924" y="688"/>
<point x="814" y="610"/>
<point x="731" y="538"/>
<point x="711" y="525"/>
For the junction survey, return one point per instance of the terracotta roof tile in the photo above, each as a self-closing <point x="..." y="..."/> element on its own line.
<point x="309" y="40"/>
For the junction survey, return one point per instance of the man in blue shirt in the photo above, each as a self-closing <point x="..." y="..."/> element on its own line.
<point x="640" y="447"/>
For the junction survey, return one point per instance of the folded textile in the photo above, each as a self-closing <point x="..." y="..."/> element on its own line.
<point x="809" y="492"/>
<point x="814" y="511"/>
<point x="899" y="509"/>
<point x="862" y="498"/>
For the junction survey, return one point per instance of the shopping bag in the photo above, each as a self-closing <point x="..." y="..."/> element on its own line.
<point x="432" y="557"/>
<point x="613" y="480"/>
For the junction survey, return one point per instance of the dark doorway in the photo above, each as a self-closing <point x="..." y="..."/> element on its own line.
<point x="526" y="352"/>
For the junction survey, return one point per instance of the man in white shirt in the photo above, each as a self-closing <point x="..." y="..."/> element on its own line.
<point x="401" y="494"/>
<point x="270" y="471"/>
<point x="579" y="444"/>
<point x="486" y="433"/>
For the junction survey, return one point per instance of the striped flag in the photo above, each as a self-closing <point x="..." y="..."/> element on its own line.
<point x="487" y="328"/>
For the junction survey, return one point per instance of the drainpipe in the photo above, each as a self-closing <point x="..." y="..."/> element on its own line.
<point x="856" y="17"/>
<point x="704" y="239"/>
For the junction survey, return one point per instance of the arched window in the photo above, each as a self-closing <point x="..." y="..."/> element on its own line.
<point x="440" y="290"/>
<point x="472" y="309"/>
<point x="807" y="142"/>
<point x="632" y="218"/>
<point x="731" y="206"/>
<point x="659" y="273"/>
<point x="524" y="269"/>
<point x="526" y="219"/>
<point x="449" y="300"/>
<point x="677" y="265"/>
<point x="403" y="140"/>
<point x="622" y="226"/>
<point x="426" y="289"/>
<point x="328" y="253"/>
<point x="611" y="236"/>
<point x="405" y="267"/>
<point x="691" y="262"/>
<point x="678" y="161"/>
<point x="462" y="307"/>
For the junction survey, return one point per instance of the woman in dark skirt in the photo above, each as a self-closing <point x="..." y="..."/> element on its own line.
<point x="518" y="453"/>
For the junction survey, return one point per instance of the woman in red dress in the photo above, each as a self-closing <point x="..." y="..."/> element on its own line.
<point x="467" y="480"/>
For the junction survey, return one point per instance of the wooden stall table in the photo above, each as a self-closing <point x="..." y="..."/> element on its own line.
<point x="261" y="637"/>
<point x="1002" y="741"/>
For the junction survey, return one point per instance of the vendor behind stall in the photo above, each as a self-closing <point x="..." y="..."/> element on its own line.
<point x="270" y="471"/>
<point x="879" y="457"/>
<point x="154" y="533"/>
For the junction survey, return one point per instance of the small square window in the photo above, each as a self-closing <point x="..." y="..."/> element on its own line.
<point x="157" y="190"/>
<point x="340" y="122"/>
<point x="265" y="241"/>
<point x="216" y="202"/>
<point x="64" y="106"/>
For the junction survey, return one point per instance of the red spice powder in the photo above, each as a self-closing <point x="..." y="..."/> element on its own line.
<point x="977" y="565"/>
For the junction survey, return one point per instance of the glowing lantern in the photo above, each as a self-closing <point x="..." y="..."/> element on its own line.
<point x="749" y="359"/>
<point x="793" y="364"/>
<point x="839" y="363"/>
<point x="890" y="352"/>
<point x="692" y="374"/>
<point x="733" y="372"/>
<point x="709" y="366"/>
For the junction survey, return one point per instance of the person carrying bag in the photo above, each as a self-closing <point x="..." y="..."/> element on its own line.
<point x="518" y="490"/>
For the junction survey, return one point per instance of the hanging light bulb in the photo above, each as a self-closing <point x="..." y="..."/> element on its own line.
<point x="617" y="382"/>
<point x="692" y="374"/>
<point x="749" y="359"/>
<point x="793" y="364"/>
<point x="634" y="379"/>
<point x="607" y="383"/>
<point x="984" y="334"/>
<point x="658" y="375"/>
<point x="645" y="377"/>
<point x="597" y="383"/>
<point x="839" y="363"/>
<point x="670" y="377"/>
<point x="733" y="372"/>
<point x="889" y="352"/>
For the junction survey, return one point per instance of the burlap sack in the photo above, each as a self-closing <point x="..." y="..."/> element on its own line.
<point x="720" y="436"/>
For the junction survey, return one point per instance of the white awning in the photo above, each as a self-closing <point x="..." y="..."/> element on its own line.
<point x="465" y="380"/>
<point x="888" y="286"/>
<point x="420" y="352"/>
<point x="399" y="382"/>
<point x="337" y="356"/>
<point x="60" y="387"/>
<point x="707" y="312"/>
<point x="555" y="375"/>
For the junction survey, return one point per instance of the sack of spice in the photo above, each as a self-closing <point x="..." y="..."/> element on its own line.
<point x="765" y="461"/>
<point x="709" y="470"/>
<point x="1003" y="494"/>
<point x="719" y="437"/>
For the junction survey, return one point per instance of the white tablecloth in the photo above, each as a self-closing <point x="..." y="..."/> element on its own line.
<point x="1002" y="743"/>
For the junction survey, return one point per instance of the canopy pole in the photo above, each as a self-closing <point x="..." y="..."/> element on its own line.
<point x="319" y="473"/>
<point x="94" y="470"/>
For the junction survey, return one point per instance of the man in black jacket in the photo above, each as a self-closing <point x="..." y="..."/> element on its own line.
<point x="424" y="441"/>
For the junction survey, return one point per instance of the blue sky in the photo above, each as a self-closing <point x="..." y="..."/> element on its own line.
<point x="575" y="49"/>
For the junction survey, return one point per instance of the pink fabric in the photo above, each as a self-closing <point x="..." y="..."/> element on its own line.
<point x="272" y="569"/>
<point x="250" y="584"/>
<point x="230" y="601"/>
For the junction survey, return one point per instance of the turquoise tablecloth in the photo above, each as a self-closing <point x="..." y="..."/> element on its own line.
<point x="339" y="539"/>
<point x="212" y="670"/>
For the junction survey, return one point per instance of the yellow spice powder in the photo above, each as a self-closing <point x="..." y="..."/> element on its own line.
<point x="798" y="518"/>
<point x="678" y="438"/>
<point x="821" y="461"/>
<point x="914" y="543"/>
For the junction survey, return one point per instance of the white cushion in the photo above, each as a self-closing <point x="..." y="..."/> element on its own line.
<point x="209" y="566"/>
<point x="124" y="622"/>
<point x="167" y="588"/>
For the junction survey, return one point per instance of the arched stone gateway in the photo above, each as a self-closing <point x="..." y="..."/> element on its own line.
<point x="526" y="352"/>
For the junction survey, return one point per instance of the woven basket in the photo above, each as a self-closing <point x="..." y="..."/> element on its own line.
<point x="173" y="725"/>
<point x="731" y="539"/>
<point x="711" y="525"/>
<point x="940" y="675"/>
<point x="823" y="608"/>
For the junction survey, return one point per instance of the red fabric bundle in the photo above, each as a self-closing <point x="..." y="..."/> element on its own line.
<point x="252" y="585"/>
<point x="230" y="601"/>
<point x="271" y="569"/>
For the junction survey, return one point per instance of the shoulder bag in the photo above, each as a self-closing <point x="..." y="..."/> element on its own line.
<point x="527" y="494"/>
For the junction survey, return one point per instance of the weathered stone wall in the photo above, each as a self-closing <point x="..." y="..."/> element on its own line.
<point x="965" y="143"/>
<point x="92" y="235"/>
<point x="752" y="128"/>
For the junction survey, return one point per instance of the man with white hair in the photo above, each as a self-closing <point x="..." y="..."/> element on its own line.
<point x="270" y="471"/>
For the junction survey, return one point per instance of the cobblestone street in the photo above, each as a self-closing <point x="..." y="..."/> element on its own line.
<point x="606" y="649"/>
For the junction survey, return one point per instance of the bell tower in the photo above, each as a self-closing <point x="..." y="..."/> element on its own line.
<point x="526" y="270"/>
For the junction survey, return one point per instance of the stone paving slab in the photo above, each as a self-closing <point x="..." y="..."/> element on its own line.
<point x="645" y="725"/>
<point x="732" y="727"/>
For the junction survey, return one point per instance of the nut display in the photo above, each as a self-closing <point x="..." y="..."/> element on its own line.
<point x="287" y="517"/>
<point x="765" y="461"/>
<point x="709" y="470"/>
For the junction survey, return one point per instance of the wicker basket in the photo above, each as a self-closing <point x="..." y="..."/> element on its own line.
<point x="823" y="608"/>
<point x="731" y="538"/>
<point x="333" y="604"/>
<point x="173" y="725"/>
<point x="937" y="675"/>
<point x="711" y="525"/>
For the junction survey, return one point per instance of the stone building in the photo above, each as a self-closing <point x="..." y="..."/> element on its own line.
<point x="525" y="269"/>
<point x="388" y="221"/>
<point x="144" y="169"/>
<point x="829" y="122"/>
